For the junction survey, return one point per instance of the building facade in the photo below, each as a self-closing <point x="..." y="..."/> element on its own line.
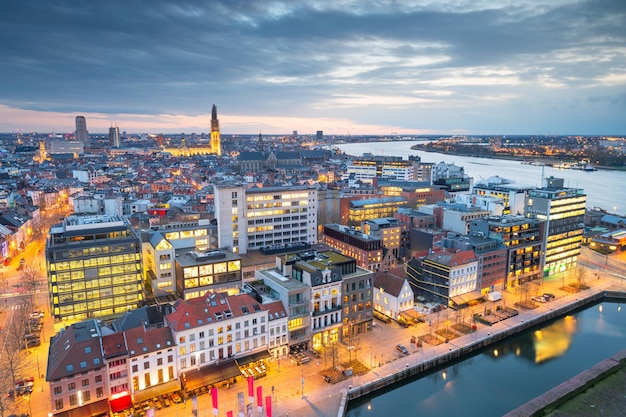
<point x="94" y="267"/>
<point x="253" y="218"/>
<point x="563" y="210"/>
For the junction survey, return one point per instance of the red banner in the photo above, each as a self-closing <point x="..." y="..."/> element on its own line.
<point x="214" y="398"/>
<point x="259" y="396"/>
<point x="268" y="406"/>
<point x="229" y="414"/>
<point x="251" y="388"/>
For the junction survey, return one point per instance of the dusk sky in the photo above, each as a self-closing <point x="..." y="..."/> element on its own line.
<point x="343" y="66"/>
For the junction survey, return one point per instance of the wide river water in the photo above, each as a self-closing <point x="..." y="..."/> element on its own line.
<point x="508" y="374"/>
<point x="604" y="188"/>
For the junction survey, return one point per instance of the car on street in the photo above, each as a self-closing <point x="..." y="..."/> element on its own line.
<point x="402" y="349"/>
<point x="31" y="343"/>
<point x="176" y="398"/>
<point x="37" y="315"/>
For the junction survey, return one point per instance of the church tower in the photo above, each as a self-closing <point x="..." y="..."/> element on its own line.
<point x="216" y="143"/>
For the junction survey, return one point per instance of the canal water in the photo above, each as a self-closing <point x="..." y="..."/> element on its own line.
<point x="508" y="374"/>
<point x="604" y="188"/>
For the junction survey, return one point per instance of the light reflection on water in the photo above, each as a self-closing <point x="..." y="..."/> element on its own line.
<point x="491" y="384"/>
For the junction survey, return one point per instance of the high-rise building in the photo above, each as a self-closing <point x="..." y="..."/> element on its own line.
<point x="114" y="137"/>
<point x="563" y="209"/>
<point x="252" y="218"/>
<point x="216" y="142"/>
<point x="94" y="267"/>
<point x="81" y="133"/>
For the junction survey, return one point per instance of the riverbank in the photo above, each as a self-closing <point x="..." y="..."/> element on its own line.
<point x="471" y="344"/>
<point x="543" y="161"/>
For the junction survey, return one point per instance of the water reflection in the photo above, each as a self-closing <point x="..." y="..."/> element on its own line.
<point x="539" y="346"/>
<point x="526" y="366"/>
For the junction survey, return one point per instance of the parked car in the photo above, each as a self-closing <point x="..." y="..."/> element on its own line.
<point x="31" y="343"/>
<point x="37" y="315"/>
<point x="166" y="401"/>
<point x="402" y="349"/>
<point x="176" y="398"/>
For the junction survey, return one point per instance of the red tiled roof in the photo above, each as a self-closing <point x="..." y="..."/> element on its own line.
<point x="211" y="308"/>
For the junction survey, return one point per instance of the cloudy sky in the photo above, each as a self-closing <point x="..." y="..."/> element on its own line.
<point x="341" y="66"/>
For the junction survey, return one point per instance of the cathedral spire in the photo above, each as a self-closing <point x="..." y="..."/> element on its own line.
<point x="216" y="142"/>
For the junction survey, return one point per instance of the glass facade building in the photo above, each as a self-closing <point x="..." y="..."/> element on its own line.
<point x="94" y="267"/>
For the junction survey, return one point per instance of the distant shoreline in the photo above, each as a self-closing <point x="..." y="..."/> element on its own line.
<point x="545" y="161"/>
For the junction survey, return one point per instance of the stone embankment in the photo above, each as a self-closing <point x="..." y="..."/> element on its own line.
<point x="470" y="345"/>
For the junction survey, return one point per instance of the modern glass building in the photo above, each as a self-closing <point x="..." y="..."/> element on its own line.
<point x="94" y="267"/>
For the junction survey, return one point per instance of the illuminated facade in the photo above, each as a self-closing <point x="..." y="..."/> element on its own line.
<point x="360" y="211"/>
<point x="94" y="267"/>
<point x="216" y="142"/>
<point x="252" y="218"/>
<point x="200" y="271"/>
<point x="159" y="247"/>
<point x="365" y="249"/>
<point x="523" y="239"/>
<point x="215" y="328"/>
<point x="341" y="294"/>
<point x="563" y="209"/>
<point x="366" y="170"/>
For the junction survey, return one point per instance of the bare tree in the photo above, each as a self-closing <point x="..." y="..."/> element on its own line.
<point x="31" y="278"/>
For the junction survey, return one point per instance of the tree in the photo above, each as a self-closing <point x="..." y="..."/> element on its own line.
<point x="31" y="278"/>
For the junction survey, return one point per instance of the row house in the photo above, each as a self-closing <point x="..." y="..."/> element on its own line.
<point x="215" y="330"/>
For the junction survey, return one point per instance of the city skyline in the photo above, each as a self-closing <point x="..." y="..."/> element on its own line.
<point x="350" y="67"/>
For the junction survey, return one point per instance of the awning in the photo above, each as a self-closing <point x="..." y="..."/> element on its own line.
<point x="253" y="358"/>
<point x="121" y="403"/>
<point x="463" y="299"/>
<point x="100" y="408"/>
<point x="211" y="374"/>
<point x="155" y="391"/>
<point x="410" y="314"/>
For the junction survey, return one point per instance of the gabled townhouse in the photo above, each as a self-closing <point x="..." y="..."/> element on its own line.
<point x="393" y="294"/>
<point x="152" y="362"/>
<point x="76" y="371"/>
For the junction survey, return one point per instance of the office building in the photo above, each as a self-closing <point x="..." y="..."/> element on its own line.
<point x="114" y="137"/>
<point x="81" y="134"/>
<point x="94" y="267"/>
<point x="523" y="239"/>
<point x="253" y="218"/>
<point x="563" y="210"/>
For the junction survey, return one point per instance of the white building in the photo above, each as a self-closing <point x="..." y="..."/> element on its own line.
<point x="216" y="328"/>
<point x="252" y="218"/>
<point x="392" y="293"/>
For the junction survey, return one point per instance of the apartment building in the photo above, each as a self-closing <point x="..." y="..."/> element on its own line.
<point x="444" y="277"/>
<point x="365" y="249"/>
<point x="524" y="241"/>
<point x="94" y="267"/>
<point x="214" y="330"/>
<point x="76" y="371"/>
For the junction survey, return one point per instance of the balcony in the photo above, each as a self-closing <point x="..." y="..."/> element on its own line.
<point x="316" y="313"/>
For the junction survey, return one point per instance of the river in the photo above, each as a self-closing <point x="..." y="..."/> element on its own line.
<point x="604" y="188"/>
<point x="508" y="374"/>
